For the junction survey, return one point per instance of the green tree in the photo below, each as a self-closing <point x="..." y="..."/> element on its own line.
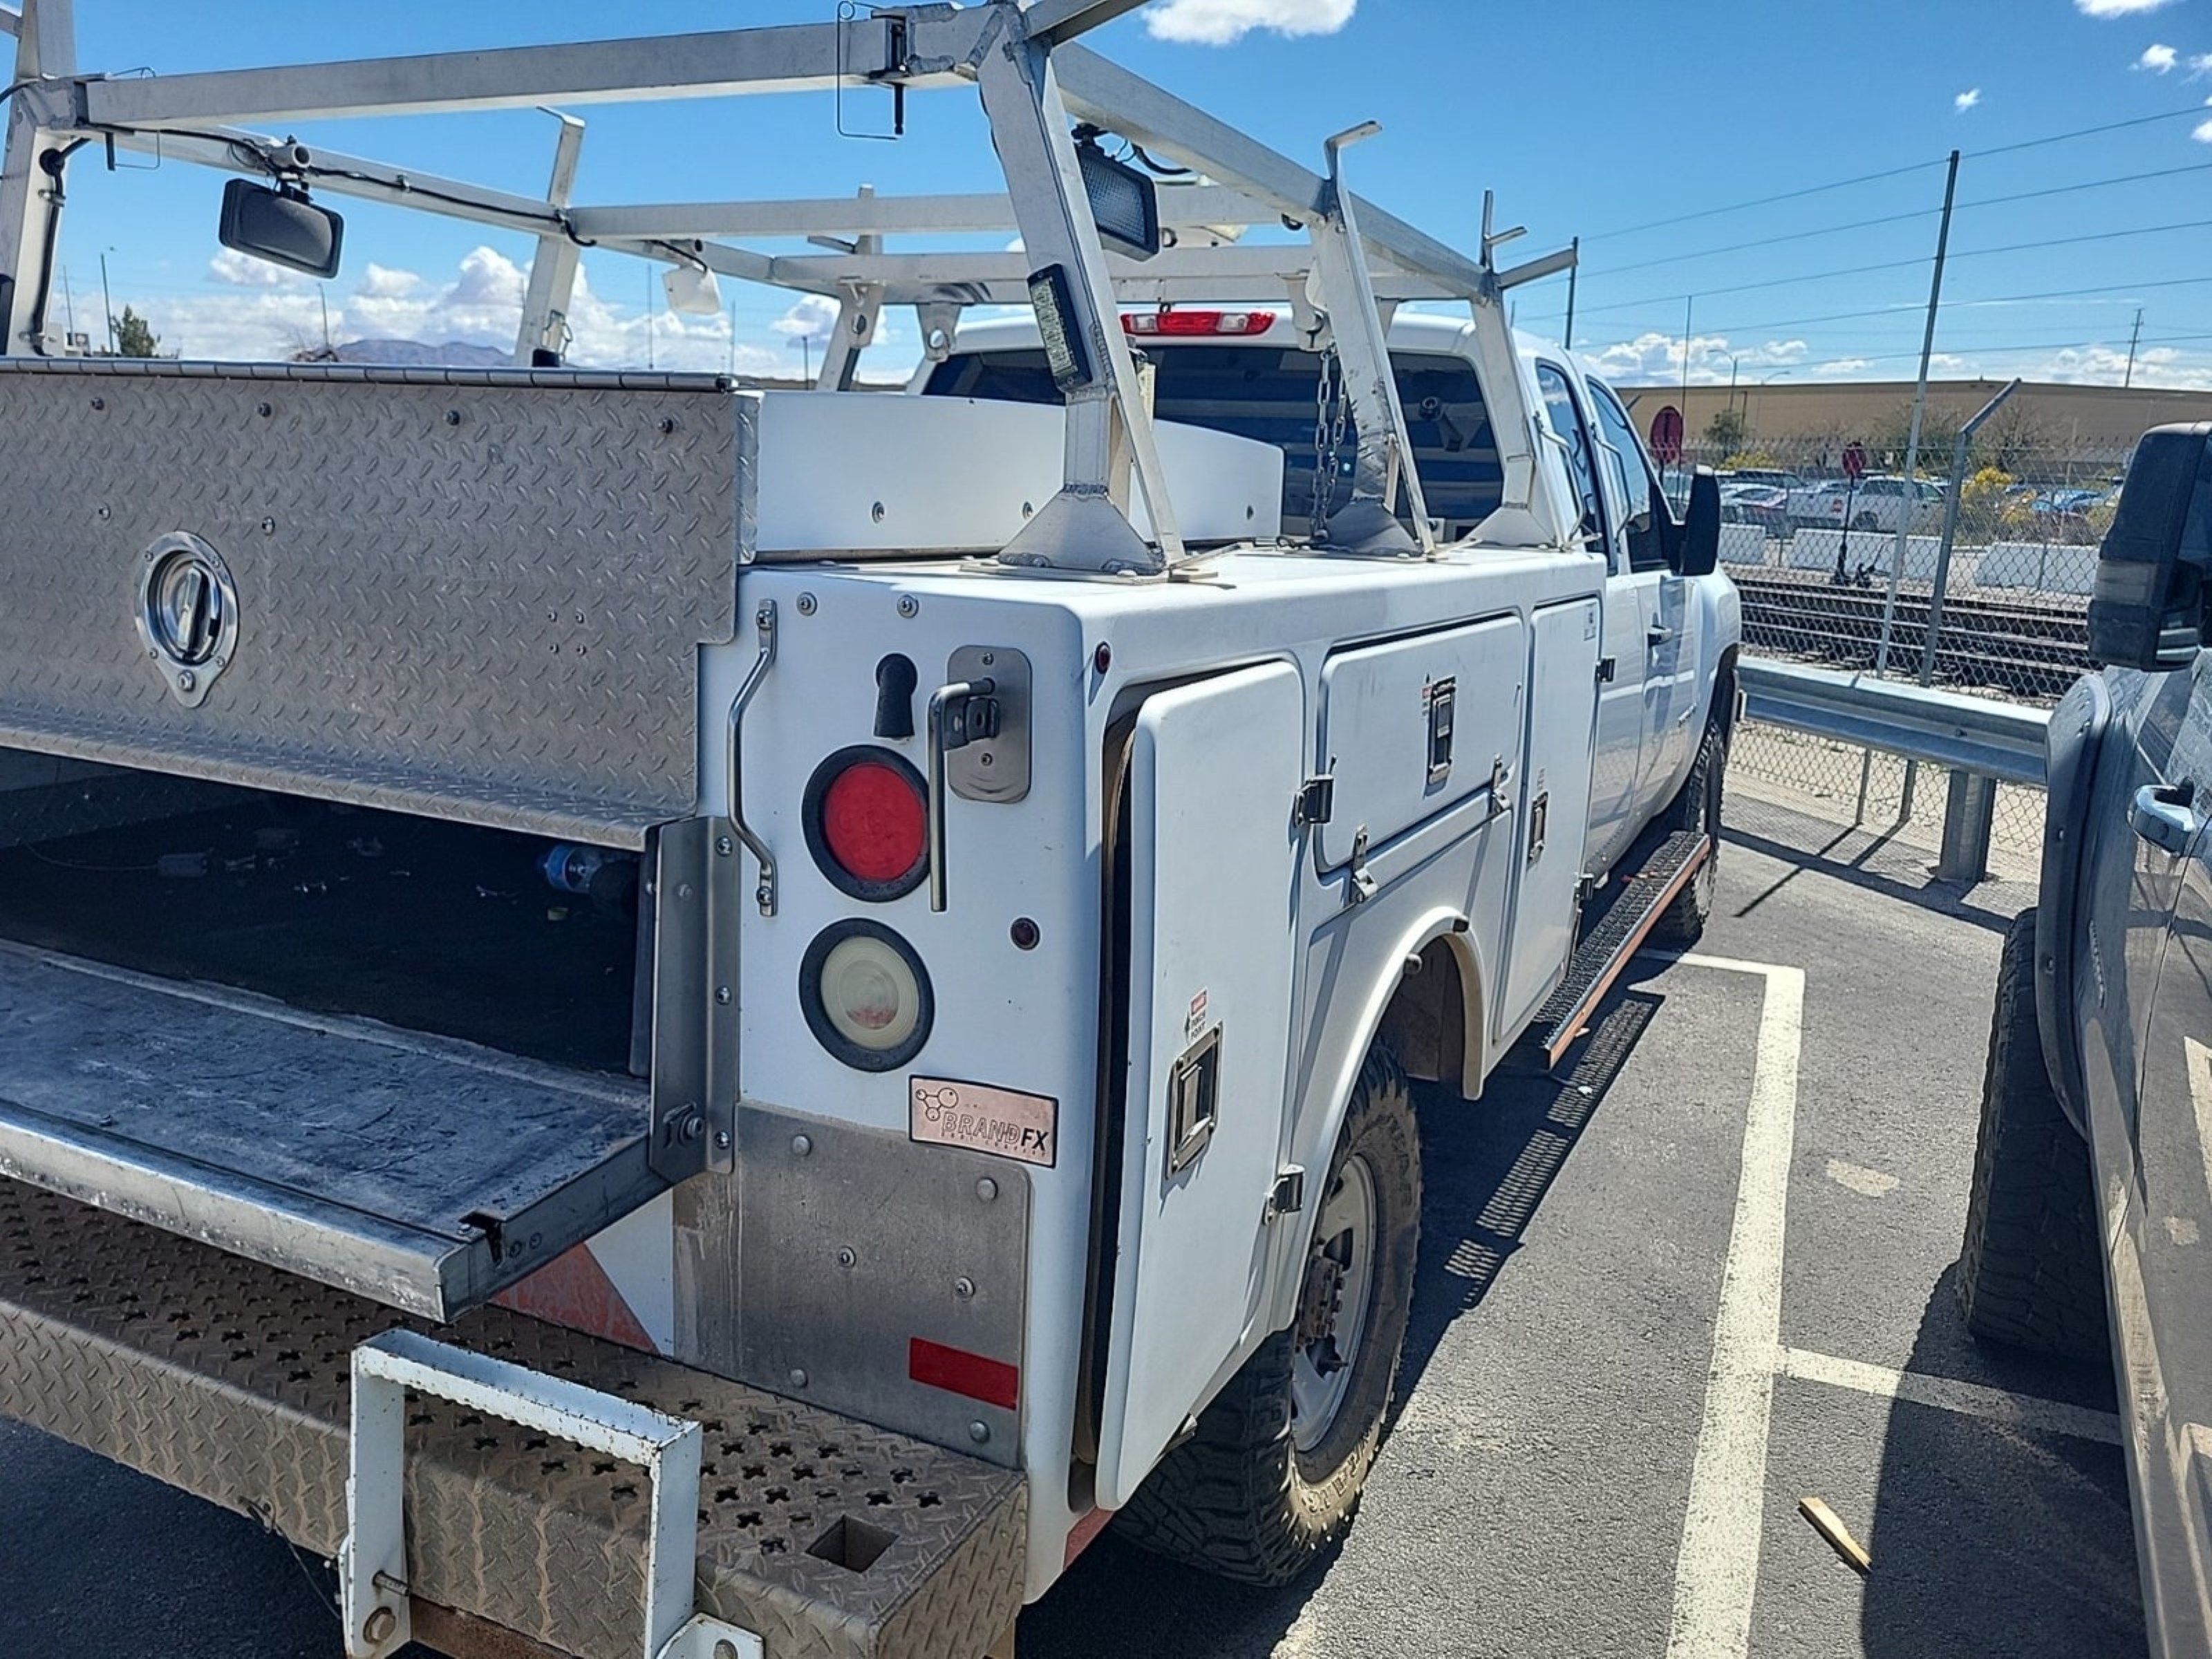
<point x="134" y="337"/>
<point x="1727" y="430"/>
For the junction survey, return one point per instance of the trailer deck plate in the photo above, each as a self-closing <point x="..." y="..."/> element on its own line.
<point x="420" y="1171"/>
<point x="232" y="1380"/>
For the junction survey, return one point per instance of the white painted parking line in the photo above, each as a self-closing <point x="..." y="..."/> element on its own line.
<point x="2021" y="1411"/>
<point x="1716" y="1570"/>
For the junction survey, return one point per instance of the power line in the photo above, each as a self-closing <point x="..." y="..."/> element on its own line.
<point x="1902" y="218"/>
<point x="1892" y="173"/>
<point x="2036" y="245"/>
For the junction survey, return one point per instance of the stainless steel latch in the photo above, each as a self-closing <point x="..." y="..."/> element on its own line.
<point x="1364" y="886"/>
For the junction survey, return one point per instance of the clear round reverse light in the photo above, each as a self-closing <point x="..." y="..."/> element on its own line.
<point x="866" y="995"/>
<point x="869" y="993"/>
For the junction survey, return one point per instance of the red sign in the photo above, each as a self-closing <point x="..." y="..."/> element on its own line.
<point x="1854" y="460"/>
<point x="1667" y="435"/>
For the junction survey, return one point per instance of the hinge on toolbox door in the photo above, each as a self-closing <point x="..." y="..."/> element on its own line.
<point x="373" y="1585"/>
<point x="695" y="879"/>
<point x="1606" y="669"/>
<point x="1316" y="800"/>
<point x="1364" y="886"/>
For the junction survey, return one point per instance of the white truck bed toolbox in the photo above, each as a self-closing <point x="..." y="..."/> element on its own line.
<point x="831" y="1539"/>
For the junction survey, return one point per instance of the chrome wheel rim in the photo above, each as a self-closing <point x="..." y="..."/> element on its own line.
<point x="1333" y="1305"/>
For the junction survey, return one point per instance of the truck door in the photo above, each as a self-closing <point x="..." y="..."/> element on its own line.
<point x="1630" y="607"/>
<point x="1670" y="645"/>
<point x="1214" y="771"/>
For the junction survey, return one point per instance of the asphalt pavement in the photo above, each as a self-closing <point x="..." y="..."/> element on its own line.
<point x="1704" y="1271"/>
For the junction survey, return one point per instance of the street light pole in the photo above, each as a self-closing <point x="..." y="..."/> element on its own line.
<point x="107" y="300"/>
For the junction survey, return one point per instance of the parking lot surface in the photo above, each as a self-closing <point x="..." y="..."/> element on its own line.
<point x="1702" y="1272"/>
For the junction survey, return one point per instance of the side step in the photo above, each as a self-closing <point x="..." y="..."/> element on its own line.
<point x="1606" y="949"/>
<point x="831" y="1539"/>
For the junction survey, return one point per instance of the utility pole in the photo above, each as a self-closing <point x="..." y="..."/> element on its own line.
<point x="1911" y="500"/>
<point x="2129" y="379"/>
<point x="1689" y="305"/>
<point x="69" y="300"/>
<point x="649" y="275"/>
<point x="1573" y="271"/>
<point x="733" y="337"/>
<point x="323" y="296"/>
<point x="107" y="301"/>
<point x="1908" y="501"/>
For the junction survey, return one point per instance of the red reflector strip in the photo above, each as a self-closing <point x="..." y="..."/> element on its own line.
<point x="957" y="1371"/>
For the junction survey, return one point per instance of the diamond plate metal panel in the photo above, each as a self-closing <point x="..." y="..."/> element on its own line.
<point x="477" y="597"/>
<point x="231" y="1380"/>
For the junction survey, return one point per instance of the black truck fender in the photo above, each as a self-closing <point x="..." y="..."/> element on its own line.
<point x="2077" y="732"/>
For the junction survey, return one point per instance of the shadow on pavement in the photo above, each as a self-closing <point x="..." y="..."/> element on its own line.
<point x="1987" y="1539"/>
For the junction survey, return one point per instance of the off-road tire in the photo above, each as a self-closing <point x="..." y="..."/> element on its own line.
<point x="1238" y="1498"/>
<point x="2030" y="1273"/>
<point x="1696" y="806"/>
<point x="1865" y="521"/>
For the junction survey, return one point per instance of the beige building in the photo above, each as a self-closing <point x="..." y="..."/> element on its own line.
<point x="2096" y="424"/>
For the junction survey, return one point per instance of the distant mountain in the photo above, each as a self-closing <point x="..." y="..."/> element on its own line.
<point x="417" y="354"/>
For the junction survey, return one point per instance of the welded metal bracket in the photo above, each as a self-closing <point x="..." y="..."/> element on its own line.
<point x="696" y="877"/>
<point x="372" y="1561"/>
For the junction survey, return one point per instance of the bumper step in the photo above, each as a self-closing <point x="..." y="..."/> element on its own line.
<point x="232" y="1380"/>
<point x="1619" y="933"/>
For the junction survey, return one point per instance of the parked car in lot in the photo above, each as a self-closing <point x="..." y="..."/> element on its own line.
<point x="2091" y="1210"/>
<point x="1765" y="505"/>
<point x="1875" y="502"/>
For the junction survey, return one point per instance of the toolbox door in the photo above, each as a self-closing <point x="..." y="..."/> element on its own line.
<point x="1214" y="770"/>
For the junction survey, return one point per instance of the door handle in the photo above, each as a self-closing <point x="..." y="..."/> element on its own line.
<point x="957" y="714"/>
<point x="1658" y="634"/>
<point x="2162" y="815"/>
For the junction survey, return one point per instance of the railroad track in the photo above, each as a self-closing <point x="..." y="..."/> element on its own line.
<point x="2030" y="651"/>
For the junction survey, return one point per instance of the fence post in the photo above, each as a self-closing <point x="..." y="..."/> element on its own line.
<point x="1969" y="817"/>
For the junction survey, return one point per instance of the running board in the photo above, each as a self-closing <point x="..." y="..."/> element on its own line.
<point x="1599" y="958"/>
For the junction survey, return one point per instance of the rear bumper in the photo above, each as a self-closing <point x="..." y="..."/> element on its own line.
<point x="232" y="1381"/>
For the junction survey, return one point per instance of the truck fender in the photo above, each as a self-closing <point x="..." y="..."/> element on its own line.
<point x="1721" y="625"/>
<point x="1314" y="1136"/>
<point x="2075" y="734"/>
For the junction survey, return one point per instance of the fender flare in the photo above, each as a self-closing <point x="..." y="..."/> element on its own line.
<point x="1314" y="1147"/>
<point x="2075" y="736"/>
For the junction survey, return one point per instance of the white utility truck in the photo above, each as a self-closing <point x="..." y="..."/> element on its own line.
<point x="680" y="1022"/>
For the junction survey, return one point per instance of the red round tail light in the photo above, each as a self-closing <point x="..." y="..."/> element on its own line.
<point x="867" y="824"/>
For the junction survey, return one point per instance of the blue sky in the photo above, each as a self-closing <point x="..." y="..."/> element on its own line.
<point x="1594" y="119"/>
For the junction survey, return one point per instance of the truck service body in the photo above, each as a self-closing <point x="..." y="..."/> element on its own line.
<point x="1053" y="852"/>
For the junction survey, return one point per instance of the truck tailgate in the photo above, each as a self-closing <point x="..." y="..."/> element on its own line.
<point x="420" y="1171"/>
<point x="475" y="595"/>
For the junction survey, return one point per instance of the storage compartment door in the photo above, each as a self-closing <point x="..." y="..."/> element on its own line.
<point x="1212" y="879"/>
<point x="1412" y="726"/>
<point x="1554" y="795"/>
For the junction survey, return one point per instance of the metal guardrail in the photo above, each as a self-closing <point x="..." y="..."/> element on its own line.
<point x="1981" y="741"/>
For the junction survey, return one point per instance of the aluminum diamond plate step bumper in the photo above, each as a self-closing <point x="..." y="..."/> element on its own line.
<point x="232" y="1380"/>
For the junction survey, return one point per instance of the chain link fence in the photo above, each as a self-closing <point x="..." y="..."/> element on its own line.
<point x="1986" y="592"/>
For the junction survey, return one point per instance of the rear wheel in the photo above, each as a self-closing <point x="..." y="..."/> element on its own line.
<point x="2030" y="1274"/>
<point x="1864" y="522"/>
<point x="1273" y="1473"/>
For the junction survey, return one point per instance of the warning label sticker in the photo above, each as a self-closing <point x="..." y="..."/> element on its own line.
<point x="983" y="1119"/>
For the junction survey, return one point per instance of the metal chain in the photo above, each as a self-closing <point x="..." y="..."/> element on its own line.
<point x="1331" y="407"/>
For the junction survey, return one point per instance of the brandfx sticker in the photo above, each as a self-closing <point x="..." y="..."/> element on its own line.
<point x="982" y="1119"/>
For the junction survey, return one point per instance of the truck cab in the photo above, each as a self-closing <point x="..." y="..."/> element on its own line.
<point x="1667" y="639"/>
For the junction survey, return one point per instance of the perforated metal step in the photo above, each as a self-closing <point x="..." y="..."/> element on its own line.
<point x="832" y="1539"/>
<point x="1607" y="947"/>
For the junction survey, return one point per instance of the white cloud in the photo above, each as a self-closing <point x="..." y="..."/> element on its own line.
<point x="2158" y="60"/>
<point x="2117" y="8"/>
<point x="382" y="282"/>
<point x="238" y="270"/>
<point x="2200" y="65"/>
<point x="1224" y="22"/>
<point x="1967" y="100"/>
<point x="813" y="318"/>
<point x="1844" y="365"/>
<point x="2202" y="133"/>
<point x="1713" y="360"/>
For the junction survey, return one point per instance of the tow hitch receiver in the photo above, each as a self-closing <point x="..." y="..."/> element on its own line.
<point x="373" y="1562"/>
